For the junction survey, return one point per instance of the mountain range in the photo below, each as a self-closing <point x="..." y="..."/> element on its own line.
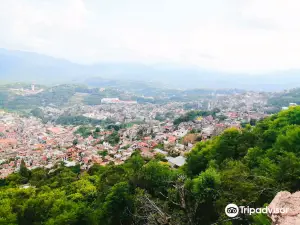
<point x="22" y="66"/>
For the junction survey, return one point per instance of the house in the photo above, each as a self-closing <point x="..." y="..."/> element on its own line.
<point x="157" y="150"/>
<point x="179" y="147"/>
<point x="172" y="139"/>
<point x="177" y="161"/>
<point x="118" y="156"/>
<point x="143" y="144"/>
<point x="207" y="131"/>
<point x="146" y="153"/>
<point x="55" y="130"/>
<point x="180" y="133"/>
<point x="69" y="164"/>
<point x="8" y="142"/>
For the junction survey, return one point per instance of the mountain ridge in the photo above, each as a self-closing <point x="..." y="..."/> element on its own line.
<point x="29" y="66"/>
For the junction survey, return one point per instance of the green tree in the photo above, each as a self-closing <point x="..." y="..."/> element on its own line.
<point x="24" y="172"/>
<point x="103" y="153"/>
<point x="155" y="177"/>
<point x="75" y="142"/>
<point x="118" y="205"/>
<point x="253" y="122"/>
<point x="206" y="191"/>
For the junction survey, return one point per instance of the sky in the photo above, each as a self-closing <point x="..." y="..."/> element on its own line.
<point x="249" y="36"/>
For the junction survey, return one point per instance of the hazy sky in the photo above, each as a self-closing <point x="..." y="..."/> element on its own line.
<point x="228" y="35"/>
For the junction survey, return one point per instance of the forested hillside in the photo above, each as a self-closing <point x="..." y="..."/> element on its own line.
<point x="285" y="98"/>
<point x="246" y="167"/>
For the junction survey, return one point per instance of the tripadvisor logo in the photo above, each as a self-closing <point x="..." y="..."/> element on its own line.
<point x="232" y="210"/>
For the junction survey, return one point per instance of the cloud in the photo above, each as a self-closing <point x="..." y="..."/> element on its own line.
<point x="237" y="36"/>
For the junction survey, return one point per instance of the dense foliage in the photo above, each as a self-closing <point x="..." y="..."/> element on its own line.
<point x="55" y="96"/>
<point x="58" y="96"/>
<point x="113" y="138"/>
<point x="84" y="131"/>
<point x="247" y="167"/>
<point x="95" y="98"/>
<point x="80" y="120"/>
<point x="191" y="115"/>
<point x="285" y="98"/>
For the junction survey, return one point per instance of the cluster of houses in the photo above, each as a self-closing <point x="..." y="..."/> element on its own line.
<point x="44" y="145"/>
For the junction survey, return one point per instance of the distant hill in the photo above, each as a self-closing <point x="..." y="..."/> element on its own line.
<point x="33" y="67"/>
<point x="285" y="98"/>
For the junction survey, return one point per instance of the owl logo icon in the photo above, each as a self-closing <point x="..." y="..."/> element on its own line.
<point x="232" y="210"/>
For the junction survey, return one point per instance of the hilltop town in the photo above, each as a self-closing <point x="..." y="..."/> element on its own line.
<point x="110" y="132"/>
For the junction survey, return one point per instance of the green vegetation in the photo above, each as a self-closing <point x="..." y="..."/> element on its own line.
<point x="246" y="167"/>
<point x="103" y="153"/>
<point x="95" y="97"/>
<point x="57" y="96"/>
<point x="78" y="120"/>
<point x="75" y="142"/>
<point x="221" y="117"/>
<point x="113" y="138"/>
<point x="191" y="115"/>
<point x="37" y="112"/>
<point x="284" y="99"/>
<point x="162" y="117"/>
<point x="84" y="131"/>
